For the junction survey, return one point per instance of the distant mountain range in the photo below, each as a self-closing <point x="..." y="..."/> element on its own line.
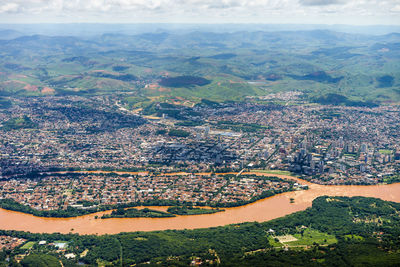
<point x="93" y="29"/>
<point x="316" y="62"/>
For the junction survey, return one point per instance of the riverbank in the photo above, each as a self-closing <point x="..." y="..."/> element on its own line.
<point x="251" y="190"/>
<point x="250" y="244"/>
<point x="260" y="211"/>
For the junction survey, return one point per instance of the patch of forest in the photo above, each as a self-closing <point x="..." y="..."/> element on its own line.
<point x="318" y="76"/>
<point x="341" y="100"/>
<point x="184" y="81"/>
<point x="385" y="81"/>
<point x="120" y="77"/>
<point x="23" y="122"/>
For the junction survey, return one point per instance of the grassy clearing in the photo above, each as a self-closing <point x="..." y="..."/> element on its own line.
<point x="310" y="237"/>
<point x="385" y="151"/>
<point x="103" y="263"/>
<point x="350" y="155"/>
<point x="273" y="242"/>
<point x="276" y="172"/>
<point x="286" y="238"/>
<point x="28" y="245"/>
<point x="354" y="237"/>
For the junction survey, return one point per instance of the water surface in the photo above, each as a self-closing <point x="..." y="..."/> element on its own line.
<point x="260" y="211"/>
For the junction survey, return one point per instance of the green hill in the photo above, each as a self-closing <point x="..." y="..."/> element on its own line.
<point x="195" y="65"/>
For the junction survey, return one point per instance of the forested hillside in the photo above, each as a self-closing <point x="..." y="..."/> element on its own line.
<point x="335" y="231"/>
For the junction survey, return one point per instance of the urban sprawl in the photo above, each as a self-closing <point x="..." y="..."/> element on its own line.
<point x="42" y="137"/>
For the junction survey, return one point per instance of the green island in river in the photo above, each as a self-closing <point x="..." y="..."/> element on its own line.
<point x="150" y="213"/>
<point x="190" y="210"/>
<point x="136" y="213"/>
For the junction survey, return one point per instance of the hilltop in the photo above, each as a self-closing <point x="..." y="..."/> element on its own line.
<point x="218" y="66"/>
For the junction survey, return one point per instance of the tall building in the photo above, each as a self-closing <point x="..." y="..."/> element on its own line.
<point x="266" y="154"/>
<point x="206" y="131"/>
<point x="364" y="147"/>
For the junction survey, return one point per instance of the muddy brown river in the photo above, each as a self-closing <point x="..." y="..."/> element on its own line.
<point x="260" y="211"/>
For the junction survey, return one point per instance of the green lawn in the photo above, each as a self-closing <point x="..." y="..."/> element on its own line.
<point x="275" y="172"/>
<point x="273" y="242"/>
<point x="28" y="245"/>
<point x="385" y="151"/>
<point x="311" y="236"/>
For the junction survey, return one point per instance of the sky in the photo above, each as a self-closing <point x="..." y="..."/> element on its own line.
<point x="350" y="12"/>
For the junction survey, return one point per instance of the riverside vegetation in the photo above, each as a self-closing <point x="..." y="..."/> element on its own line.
<point x="150" y="213"/>
<point x="335" y="231"/>
<point x="226" y="190"/>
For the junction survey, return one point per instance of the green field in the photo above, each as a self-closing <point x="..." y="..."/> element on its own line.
<point x="276" y="172"/>
<point x="385" y="151"/>
<point x="305" y="238"/>
<point x="273" y="242"/>
<point x="28" y="245"/>
<point x="352" y="155"/>
<point x="311" y="236"/>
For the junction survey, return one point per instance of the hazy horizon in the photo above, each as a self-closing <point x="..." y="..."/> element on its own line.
<point x="368" y="12"/>
<point x="91" y="29"/>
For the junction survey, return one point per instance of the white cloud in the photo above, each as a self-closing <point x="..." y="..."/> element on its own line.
<point x="396" y="8"/>
<point x="266" y="11"/>
<point x="9" y="7"/>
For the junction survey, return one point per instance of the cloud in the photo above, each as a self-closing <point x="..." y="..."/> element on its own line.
<point x="395" y="8"/>
<point x="9" y="8"/>
<point x="137" y="5"/>
<point x="232" y="11"/>
<point x="319" y="2"/>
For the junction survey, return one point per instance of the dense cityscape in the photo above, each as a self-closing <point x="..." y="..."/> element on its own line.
<point x="90" y="191"/>
<point x="323" y="144"/>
